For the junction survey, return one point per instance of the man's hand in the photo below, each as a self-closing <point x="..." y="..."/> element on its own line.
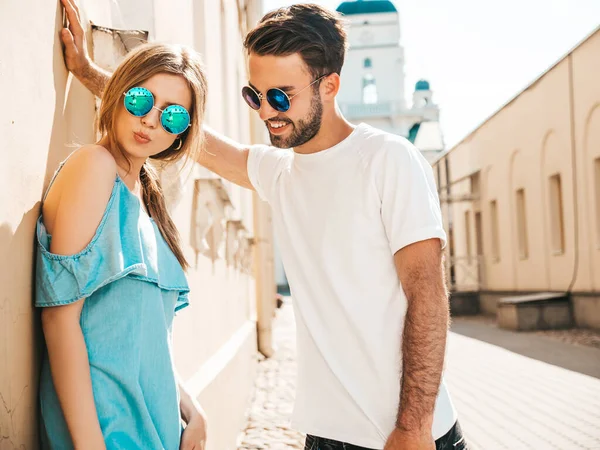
<point x="405" y="440"/>
<point x="73" y="37"/>
<point x="194" y="435"/>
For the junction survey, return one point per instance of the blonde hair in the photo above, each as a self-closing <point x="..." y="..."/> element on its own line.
<point x="140" y="64"/>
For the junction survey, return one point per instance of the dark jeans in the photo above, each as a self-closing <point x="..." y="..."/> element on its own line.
<point x="452" y="440"/>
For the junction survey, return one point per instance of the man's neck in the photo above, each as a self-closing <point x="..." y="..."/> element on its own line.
<point x="334" y="130"/>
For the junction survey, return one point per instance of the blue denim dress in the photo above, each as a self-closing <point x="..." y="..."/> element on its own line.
<point x="133" y="284"/>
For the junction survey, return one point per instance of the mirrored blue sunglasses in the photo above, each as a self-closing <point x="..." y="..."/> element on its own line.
<point x="139" y="101"/>
<point x="277" y="98"/>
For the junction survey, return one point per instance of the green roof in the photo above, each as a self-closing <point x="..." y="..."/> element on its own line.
<point x="412" y="133"/>
<point x="422" y="85"/>
<point x="366" y="7"/>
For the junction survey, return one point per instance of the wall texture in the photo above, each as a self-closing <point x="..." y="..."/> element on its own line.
<point x="48" y="114"/>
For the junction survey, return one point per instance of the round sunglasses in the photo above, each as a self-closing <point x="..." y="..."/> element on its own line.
<point x="139" y="101"/>
<point x="277" y="98"/>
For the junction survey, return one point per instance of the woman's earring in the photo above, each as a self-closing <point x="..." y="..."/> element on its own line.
<point x="180" y="144"/>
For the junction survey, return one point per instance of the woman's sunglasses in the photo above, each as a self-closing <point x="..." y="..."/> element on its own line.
<point x="277" y="98"/>
<point x="139" y="101"/>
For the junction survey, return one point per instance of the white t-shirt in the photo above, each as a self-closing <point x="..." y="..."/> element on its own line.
<point x="339" y="216"/>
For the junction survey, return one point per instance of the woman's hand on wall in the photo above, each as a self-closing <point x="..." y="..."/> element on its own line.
<point x="73" y="37"/>
<point x="77" y="58"/>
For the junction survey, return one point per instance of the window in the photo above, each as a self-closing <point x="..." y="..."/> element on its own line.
<point x="368" y="63"/>
<point x="369" y="89"/>
<point x="522" y="225"/>
<point x="468" y="235"/>
<point x="475" y="185"/>
<point x="597" y="190"/>
<point x="495" y="230"/>
<point x="557" y="230"/>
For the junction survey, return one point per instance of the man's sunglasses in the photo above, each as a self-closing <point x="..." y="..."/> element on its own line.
<point x="139" y="101"/>
<point x="277" y="98"/>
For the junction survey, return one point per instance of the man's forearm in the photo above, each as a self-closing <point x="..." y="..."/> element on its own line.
<point x="423" y="349"/>
<point x="94" y="78"/>
<point x="225" y="157"/>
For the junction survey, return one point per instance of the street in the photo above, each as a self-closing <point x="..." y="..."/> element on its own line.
<point x="504" y="400"/>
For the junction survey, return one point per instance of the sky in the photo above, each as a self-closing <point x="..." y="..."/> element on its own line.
<point x="479" y="54"/>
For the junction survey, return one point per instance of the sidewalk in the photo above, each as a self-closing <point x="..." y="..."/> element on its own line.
<point x="504" y="400"/>
<point x="273" y="400"/>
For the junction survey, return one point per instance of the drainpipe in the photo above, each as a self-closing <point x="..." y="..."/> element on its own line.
<point x="264" y="275"/>
<point x="249" y="13"/>
<point x="571" y="88"/>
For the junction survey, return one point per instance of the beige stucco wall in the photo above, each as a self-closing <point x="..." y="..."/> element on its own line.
<point x="552" y="127"/>
<point x="215" y="338"/>
<point x="586" y="63"/>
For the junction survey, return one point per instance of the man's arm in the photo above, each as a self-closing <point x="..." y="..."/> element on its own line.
<point x="225" y="157"/>
<point x="220" y="154"/>
<point x="421" y="273"/>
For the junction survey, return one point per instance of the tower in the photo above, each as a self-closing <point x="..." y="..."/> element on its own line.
<point x="374" y="68"/>
<point x="372" y="88"/>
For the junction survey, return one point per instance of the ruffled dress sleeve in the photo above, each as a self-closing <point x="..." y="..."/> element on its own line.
<point x="125" y="244"/>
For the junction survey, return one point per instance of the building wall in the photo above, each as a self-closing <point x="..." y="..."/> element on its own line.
<point x="387" y="70"/>
<point x="550" y="129"/>
<point x="383" y="29"/>
<point x="215" y="338"/>
<point x="374" y="36"/>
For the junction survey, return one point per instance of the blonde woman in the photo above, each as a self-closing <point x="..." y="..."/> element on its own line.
<point x="110" y="267"/>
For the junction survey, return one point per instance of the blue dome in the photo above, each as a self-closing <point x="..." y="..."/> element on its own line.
<point x="366" y="7"/>
<point x="422" y="85"/>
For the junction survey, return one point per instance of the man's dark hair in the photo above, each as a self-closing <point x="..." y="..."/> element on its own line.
<point x="314" y="32"/>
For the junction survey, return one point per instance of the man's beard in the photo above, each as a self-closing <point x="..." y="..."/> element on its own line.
<point x="304" y="130"/>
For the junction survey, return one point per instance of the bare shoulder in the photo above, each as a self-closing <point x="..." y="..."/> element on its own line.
<point x="92" y="156"/>
<point x="86" y="184"/>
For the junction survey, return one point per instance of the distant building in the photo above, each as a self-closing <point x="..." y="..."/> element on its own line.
<point x="521" y="193"/>
<point x="373" y="78"/>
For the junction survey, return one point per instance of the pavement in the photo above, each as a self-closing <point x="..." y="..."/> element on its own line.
<point x="511" y="391"/>
<point x="269" y="414"/>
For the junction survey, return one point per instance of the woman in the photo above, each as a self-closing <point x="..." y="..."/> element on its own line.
<point x="110" y="267"/>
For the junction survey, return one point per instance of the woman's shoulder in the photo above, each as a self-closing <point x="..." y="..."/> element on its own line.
<point x="86" y="183"/>
<point x="92" y="157"/>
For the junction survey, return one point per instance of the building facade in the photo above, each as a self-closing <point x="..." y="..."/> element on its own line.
<point x="373" y="83"/>
<point x="521" y="193"/>
<point x="225" y="231"/>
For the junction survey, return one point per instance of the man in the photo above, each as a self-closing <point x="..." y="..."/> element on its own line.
<point x="361" y="237"/>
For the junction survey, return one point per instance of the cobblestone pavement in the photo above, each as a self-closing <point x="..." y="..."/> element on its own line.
<point x="269" y="415"/>
<point x="504" y="400"/>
